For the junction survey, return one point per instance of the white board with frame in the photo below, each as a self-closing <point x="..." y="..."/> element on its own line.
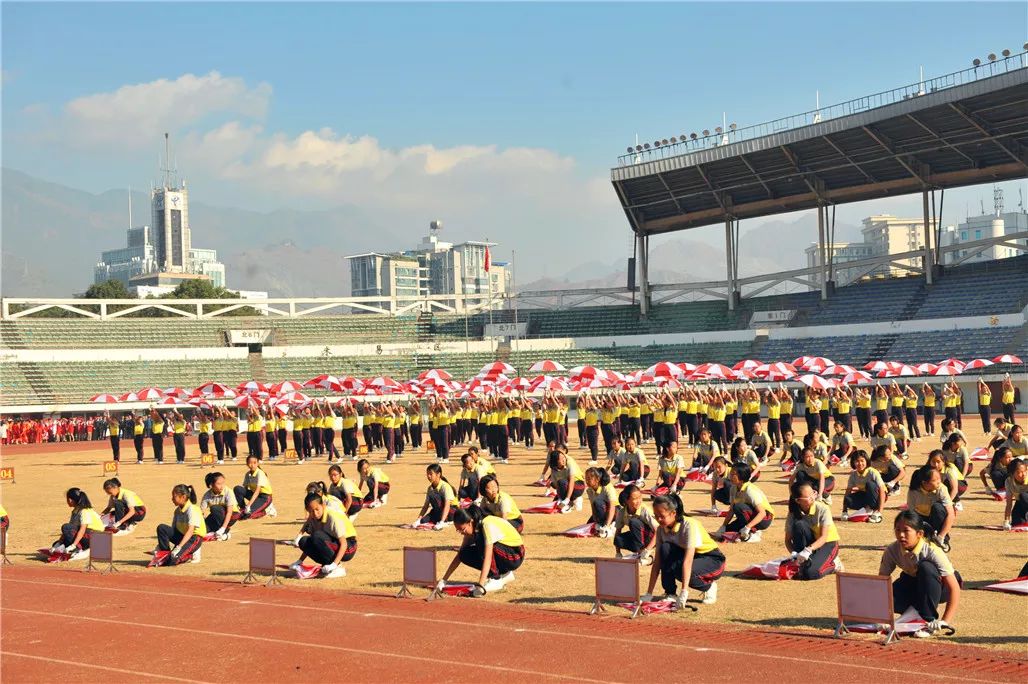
<point x="262" y="555"/>
<point x="419" y="570"/>
<point x="617" y="579"/>
<point x="864" y="598"/>
<point x="101" y="552"/>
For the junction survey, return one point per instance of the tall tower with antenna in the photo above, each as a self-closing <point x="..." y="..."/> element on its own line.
<point x="170" y="208"/>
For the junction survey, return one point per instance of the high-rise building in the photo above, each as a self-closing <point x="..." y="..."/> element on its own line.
<point x="435" y="267"/>
<point x="883" y="234"/>
<point x="161" y="254"/>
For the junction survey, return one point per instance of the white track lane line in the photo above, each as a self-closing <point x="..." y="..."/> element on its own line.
<point x="106" y="668"/>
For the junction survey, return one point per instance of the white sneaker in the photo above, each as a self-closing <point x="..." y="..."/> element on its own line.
<point x="353" y="518"/>
<point x="754" y="538"/>
<point x="196" y="557"/>
<point x="566" y="508"/>
<point x="507" y="578"/>
<point x="224" y="536"/>
<point x="340" y="571"/>
<point x="922" y="634"/>
<point x="839" y="567"/>
<point x="221" y="461"/>
<point x="958" y="506"/>
<point x="78" y="555"/>
<point x="130" y="527"/>
<point x="271" y="511"/>
<point x="492" y="585"/>
<point x="444" y="460"/>
<point x="578" y="504"/>
<point x="845" y="516"/>
<point x="384" y="499"/>
<point x="710" y="595"/>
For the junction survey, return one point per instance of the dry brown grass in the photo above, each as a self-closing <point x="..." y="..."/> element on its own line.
<point x="557" y="573"/>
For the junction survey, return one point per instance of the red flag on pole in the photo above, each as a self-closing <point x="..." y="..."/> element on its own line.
<point x="488" y="260"/>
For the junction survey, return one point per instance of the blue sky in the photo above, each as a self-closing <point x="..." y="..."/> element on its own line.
<point x="577" y="81"/>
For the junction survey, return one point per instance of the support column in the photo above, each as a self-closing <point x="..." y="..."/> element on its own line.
<point x="730" y="262"/>
<point x="822" y="252"/>
<point x="929" y="260"/>
<point x="643" y="249"/>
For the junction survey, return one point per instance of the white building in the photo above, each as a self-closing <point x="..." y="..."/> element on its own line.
<point x="435" y="267"/>
<point x="883" y="234"/>
<point x="984" y="227"/>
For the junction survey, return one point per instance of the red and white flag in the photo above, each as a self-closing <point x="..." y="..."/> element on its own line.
<point x="488" y="260"/>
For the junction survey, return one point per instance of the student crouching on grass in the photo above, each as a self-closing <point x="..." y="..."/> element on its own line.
<point x="127" y="507"/>
<point x="864" y="489"/>
<point x="927" y="577"/>
<point x="931" y="501"/>
<point x="499" y="503"/>
<point x="1016" y="510"/>
<point x="491" y="545"/>
<point x="184" y="537"/>
<point x="219" y="506"/>
<point x="810" y="533"/>
<point x="254" y="495"/>
<point x="377" y="482"/>
<point x="440" y="499"/>
<point x="75" y="533"/>
<point x="684" y="553"/>
<point x="602" y="500"/>
<point x="634" y="526"/>
<point x="750" y="512"/>
<point x="331" y="539"/>
<point x="345" y="490"/>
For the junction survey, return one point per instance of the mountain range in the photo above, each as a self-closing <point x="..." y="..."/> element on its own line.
<point x="53" y="235"/>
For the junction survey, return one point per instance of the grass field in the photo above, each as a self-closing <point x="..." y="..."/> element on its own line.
<point x="557" y="573"/>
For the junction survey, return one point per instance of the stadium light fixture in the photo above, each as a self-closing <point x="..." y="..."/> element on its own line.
<point x="977" y="62"/>
<point x="673" y="140"/>
<point x="638" y="148"/>
<point x="718" y="130"/>
<point x="992" y="56"/>
<point x="732" y="126"/>
<point x="664" y="141"/>
<point x="706" y="133"/>
<point x="693" y="136"/>
<point x="646" y="146"/>
<point x="1005" y="53"/>
<point x="629" y="149"/>
<point x="682" y="137"/>
<point x="656" y="143"/>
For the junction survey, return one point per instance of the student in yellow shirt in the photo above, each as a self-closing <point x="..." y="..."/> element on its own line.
<point x="138" y="437"/>
<point x="931" y="500"/>
<point x="491" y="545"/>
<point x="219" y="506"/>
<point x="602" y="500"/>
<point x="1016" y="510"/>
<point x="750" y="512"/>
<point x="634" y="526"/>
<point x="814" y="472"/>
<point x="231" y="432"/>
<point x="377" y="482"/>
<point x="567" y="479"/>
<point x="928" y="400"/>
<point x="864" y="489"/>
<point x="127" y="508"/>
<point x="114" y="432"/>
<point x="157" y="435"/>
<point x="810" y="533"/>
<point x="440" y="499"/>
<point x="75" y="533"/>
<point x="927" y="577"/>
<point x="345" y="490"/>
<point x="203" y="437"/>
<point x="685" y="553"/>
<point x="254" y="495"/>
<point x="270" y="432"/>
<point x="331" y="539"/>
<point x="1007" y="399"/>
<point x="499" y="503"/>
<point x="184" y="537"/>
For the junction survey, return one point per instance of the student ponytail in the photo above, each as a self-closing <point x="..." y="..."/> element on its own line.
<point x="310" y="498"/>
<point x="184" y="490"/>
<point x="794" y="491"/>
<point x="600" y="474"/>
<point x="626" y="493"/>
<point x="316" y="487"/>
<point x="113" y="482"/>
<point x="909" y="519"/>
<point x="79" y="498"/>
<point x="472" y="514"/>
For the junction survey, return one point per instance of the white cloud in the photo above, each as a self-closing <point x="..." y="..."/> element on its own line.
<point x="139" y="113"/>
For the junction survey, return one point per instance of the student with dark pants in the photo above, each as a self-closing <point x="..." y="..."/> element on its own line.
<point x="927" y="577"/>
<point x="184" y="536"/>
<point x="157" y="436"/>
<point x="810" y="533"/>
<point x="331" y="538"/>
<point x="684" y="553"/>
<point x="491" y="545"/>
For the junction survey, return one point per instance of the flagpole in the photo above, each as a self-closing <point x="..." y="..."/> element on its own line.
<point x="510" y="295"/>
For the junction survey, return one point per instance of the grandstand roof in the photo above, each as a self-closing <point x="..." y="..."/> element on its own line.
<point x="961" y="129"/>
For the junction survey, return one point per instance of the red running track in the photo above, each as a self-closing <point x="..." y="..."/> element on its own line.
<point x="63" y="624"/>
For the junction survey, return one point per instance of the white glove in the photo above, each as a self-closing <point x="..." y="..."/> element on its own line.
<point x="57" y="548"/>
<point x="417" y="521"/>
<point x="1007" y="525"/>
<point x="440" y="585"/>
<point x="438" y="526"/>
<point x="845" y="516"/>
<point x="564" y="502"/>
<point x="641" y="482"/>
<point x="646" y="598"/>
<point x="296" y="542"/>
<point x="681" y="599"/>
<point x="804" y="555"/>
<point x="295" y="566"/>
<point x="744" y="533"/>
<point x="603" y="532"/>
<point x="937" y="625"/>
<point x="326" y="569"/>
<point x="714" y="509"/>
<point x="247" y="510"/>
